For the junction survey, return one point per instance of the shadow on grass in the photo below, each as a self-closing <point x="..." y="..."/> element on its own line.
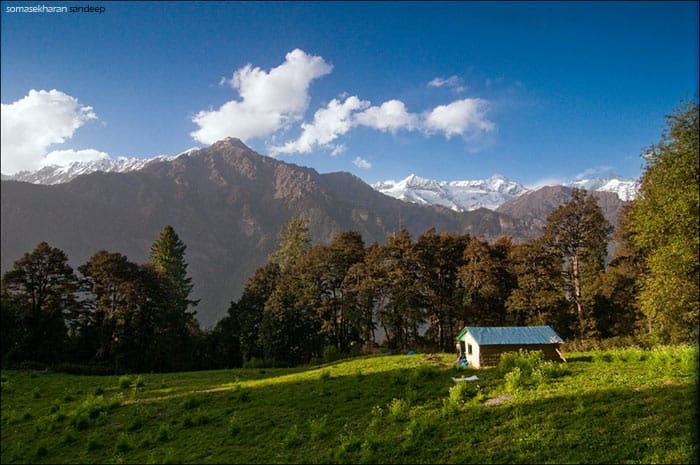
<point x="334" y="415"/>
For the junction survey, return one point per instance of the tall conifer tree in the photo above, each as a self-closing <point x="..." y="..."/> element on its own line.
<point x="168" y="258"/>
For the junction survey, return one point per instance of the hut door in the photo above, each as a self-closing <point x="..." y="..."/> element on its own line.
<point x="462" y="348"/>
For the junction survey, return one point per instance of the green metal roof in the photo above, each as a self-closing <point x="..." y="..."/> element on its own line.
<point x="497" y="335"/>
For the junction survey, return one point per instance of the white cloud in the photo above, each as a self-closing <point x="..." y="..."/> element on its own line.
<point x="390" y="116"/>
<point x="453" y="82"/>
<point x="361" y="163"/>
<point x="329" y="123"/>
<point x="462" y="117"/>
<point x="338" y="149"/>
<point x="269" y="100"/>
<point x="598" y="171"/>
<point x="66" y="157"/>
<point x="35" y="122"/>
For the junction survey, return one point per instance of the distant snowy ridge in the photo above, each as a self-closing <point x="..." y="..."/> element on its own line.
<point x="487" y="193"/>
<point x="456" y="195"/>
<point x="626" y="189"/>
<point x="58" y="174"/>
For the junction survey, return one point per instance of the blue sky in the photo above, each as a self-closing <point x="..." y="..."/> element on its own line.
<point x="535" y="91"/>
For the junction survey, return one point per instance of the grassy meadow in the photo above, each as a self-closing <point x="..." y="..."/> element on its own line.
<point x="615" y="406"/>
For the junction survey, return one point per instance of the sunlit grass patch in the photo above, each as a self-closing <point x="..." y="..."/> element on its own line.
<point x="379" y="409"/>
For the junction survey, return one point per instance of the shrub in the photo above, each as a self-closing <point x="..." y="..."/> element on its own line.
<point x="93" y="444"/>
<point x="462" y="392"/>
<point x="123" y="444"/>
<point x="254" y="362"/>
<point x="317" y="427"/>
<point x="292" y="438"/>
<point x="41" y="451"/>
<point x="193" y="401"/>
<point x="234" y="425"/>
<point x="124" y="382"/>
<point x="163" y="433"/>
<point x="526" y="360"/>
<point x="331" y="354"/>
<point x="514" y="379"/>
<point x="399" y="409"/>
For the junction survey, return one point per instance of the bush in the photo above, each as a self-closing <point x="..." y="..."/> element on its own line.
<point x="193" y="401"/>
<point x="123" y="443"/>
<point x="292" y="438"/>
<point x="331" y="354"/>
<point x="527" y="361"/>
<point x="254" y="362"/>
<point x="317" y="427"/>
<point x="399" y="410"/>
<point x="528" y="368"/>
<point x="163" y="433"/>
<point x="124" y="382"/>
<point x="234" y="425"/>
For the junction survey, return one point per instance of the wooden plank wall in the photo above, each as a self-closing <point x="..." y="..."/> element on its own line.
<point x="490" y="355"/>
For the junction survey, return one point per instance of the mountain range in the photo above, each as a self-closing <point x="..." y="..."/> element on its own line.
<point x="488" y="193"/>
<point x="228" y="203"/>
<point x="464" y="195"/>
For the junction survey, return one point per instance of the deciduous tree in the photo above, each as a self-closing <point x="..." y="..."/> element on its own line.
<point x="40" y="291"/>
<point x="663" y="223"/>
<point x="578" y="232"/>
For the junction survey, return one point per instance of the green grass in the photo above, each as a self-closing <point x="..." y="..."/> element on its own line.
<point x="615" y="406"/>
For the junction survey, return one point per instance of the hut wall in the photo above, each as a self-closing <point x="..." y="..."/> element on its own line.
<point x="490" y="355"/>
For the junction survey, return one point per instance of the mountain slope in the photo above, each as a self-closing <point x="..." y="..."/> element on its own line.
<point x="227" y="203"/>
<point x="533" y="207"/>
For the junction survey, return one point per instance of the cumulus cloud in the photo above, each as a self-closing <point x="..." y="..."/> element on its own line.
<point x="329" y="123"/>
<point x="362" y="163"/>
<point x="389" y="116"/>
<point x="462" y="117"/>
<point x="338" y="149"/>
<point x="269" y="100"/>
<point x="276" y="99"/>
<point x="66" y="157"/>
<point x="33" y="123"/>
<point x="453" y="82"/>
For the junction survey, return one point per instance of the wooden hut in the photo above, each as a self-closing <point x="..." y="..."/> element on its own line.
<point x="483" y="346"/>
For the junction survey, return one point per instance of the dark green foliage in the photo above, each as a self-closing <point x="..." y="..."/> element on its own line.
<point x="440" y="258"/>
<point x="177" y="322"/>
<point x="293" y="242"/>
<point x="289" y="333"/>
<point x="578" y="232"/>
<point x="168" y="257"/>
<point x="328" y="301"/>
<point x="663" y="225"/>
<point x="37" y="295"/>
<point x="238" y="334"/>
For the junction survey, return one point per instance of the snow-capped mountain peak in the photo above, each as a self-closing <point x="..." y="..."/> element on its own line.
<point x="488" y="193"/>
<point x="456" y="195"/>
<point x="62" y="173"/>
<point x="626" y="189"/>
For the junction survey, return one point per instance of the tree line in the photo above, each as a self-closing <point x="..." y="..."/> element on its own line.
<point x="318" y="301"/>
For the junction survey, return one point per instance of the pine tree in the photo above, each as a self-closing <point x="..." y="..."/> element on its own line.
<point x="168" y="258"/>
<point x="293" y="242"/>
